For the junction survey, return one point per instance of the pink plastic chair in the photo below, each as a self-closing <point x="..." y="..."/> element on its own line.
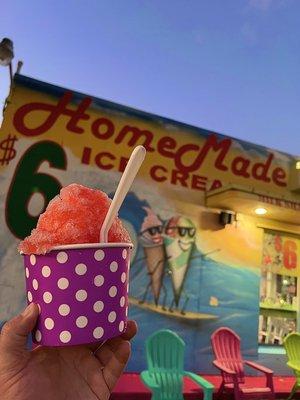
<point x="226" y="347"/>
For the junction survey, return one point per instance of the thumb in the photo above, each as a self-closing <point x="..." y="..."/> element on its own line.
<point x="14" y="334"/>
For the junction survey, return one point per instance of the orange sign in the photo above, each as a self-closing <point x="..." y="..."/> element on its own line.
<point x="281" y="254"/>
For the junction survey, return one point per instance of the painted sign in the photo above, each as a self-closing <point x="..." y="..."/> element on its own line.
<point x="281" y="254"/>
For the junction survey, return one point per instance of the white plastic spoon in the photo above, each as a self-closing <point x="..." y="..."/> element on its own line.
<point x="133" y="165"/>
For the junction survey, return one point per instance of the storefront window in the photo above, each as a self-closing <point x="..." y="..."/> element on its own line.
<point x="278" y="288"/>
<point x="278" y="307"/>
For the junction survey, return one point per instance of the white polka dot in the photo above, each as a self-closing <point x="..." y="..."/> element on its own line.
<point x="123" y="277"/>
<point x="126" y="312"/>
<point x="49" y="323"/>
<point x="65" y="336"/>
<point x="113" y="266"/>
<point x="98" y="332"/>
<point x="124" y="254"/>
<point x="32" y="259"/>
<point x="46" y="271"/>
<point x="64" y="309"/>
<point x="81" y="321"/>
<point x="62" y="257"/>
<point x="35" y="284"/>
<point x="98" y="306"/>
<point x="113" y="291"/>
<point x="80" y="269"/>
<point x="112" y="316"/>
<point x="63" y="283"/>
<point x="98" y="280"/>
<point x="122" y="301"/>
<point x="29" y="296"/>
<point x="39" y="308"/>
<point x="38" y="336"/>
<point x="47" y="297"/>
<point x="27" y="272"/>
<point x="99" y="255"/>
<point x="121" y="326"/>
<point x="81" y="295"/>
<point x="127" y="287"/>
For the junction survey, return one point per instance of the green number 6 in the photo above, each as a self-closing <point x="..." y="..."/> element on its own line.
<point x="27" y="181"/>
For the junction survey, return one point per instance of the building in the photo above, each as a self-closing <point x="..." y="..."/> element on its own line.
<point x="214" y="220"/>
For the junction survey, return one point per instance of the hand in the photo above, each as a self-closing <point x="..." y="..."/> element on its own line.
<point x="87" y="372"/>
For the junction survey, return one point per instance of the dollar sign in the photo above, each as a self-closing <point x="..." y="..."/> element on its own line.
<point x="9" y="153"/>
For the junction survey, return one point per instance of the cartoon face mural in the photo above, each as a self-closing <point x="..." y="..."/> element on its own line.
<point x="151" y="240"/>
<point x="182" y="230"/>
<point x="179" y="240"/>
<point x="151" y="229"/>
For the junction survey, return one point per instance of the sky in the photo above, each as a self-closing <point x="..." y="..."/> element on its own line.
<point x="228" y="66"/>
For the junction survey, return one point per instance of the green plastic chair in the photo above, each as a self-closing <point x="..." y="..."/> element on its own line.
<point x="164" y="377"/>
<point x="292" y="347"/>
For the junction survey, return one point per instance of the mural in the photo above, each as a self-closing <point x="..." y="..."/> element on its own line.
<point x="176" y="285"/>
<point x="151" y="240"/>
<point x="179" y="240"/>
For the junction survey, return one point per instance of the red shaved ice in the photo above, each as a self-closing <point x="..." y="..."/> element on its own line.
<point x="74" y="216"/>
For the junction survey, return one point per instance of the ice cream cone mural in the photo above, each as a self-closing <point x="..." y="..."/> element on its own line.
<point x="152" y="242"/>
<point x="179" y="240"/>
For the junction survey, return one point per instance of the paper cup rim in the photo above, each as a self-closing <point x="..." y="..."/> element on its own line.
<point x="91" y="245"/>
<point x="86" y="246"/>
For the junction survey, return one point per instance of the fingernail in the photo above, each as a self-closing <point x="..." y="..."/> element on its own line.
<point x="28" y="310"/>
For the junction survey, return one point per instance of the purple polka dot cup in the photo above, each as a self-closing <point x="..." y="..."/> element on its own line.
<point x="81" y="291"/>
